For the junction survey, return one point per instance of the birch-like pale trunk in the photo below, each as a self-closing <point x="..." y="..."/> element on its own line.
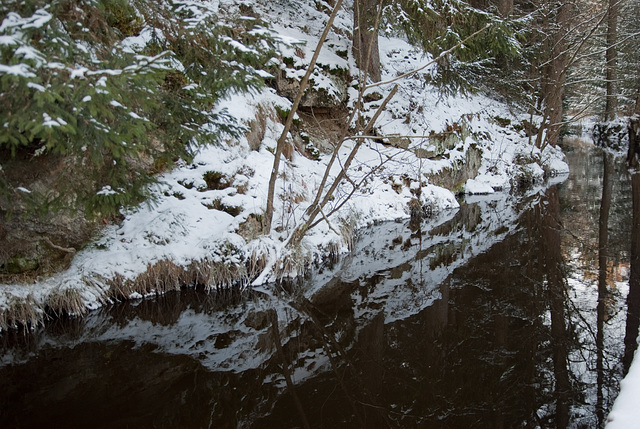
<point x="268" y="214"/>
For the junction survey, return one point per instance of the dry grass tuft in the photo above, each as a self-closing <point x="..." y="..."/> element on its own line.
<point x="66" y="301"/>
<point x="24" y="313"/>
<point x="165" y="276"/>
<point x="257" y="126"/>
<point x="333" y="251"/>
<point x="226" y="279"/>
<point x="225" y="275"/>
<point x="256" y="263"/>
<point x="161" y="277"/>
<point x="348" y="230"/>
<point x="293" y="262"/>
<point x="288" y="150"/>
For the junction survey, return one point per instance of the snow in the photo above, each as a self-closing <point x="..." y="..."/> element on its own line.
<point x="17" y="70"/>
<point x="398" y="296"/>
<point x="36" y="86"/>
<point x="474" y="186"/>
<point x="8" y="40"/>
<point x="106" y="190"/>
<point x="15" y="22"/>
<point x="625" y="412"/>
<point x="48" y="121"/>
<point x="183" y="224"/>
<point x="134" y="44"/>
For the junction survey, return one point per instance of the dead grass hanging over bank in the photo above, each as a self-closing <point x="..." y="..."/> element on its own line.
<point x="21" y="312"/>
<point x="66" y="301"/>
<point x="160" y="277"/>
<point x="165" y="276"/>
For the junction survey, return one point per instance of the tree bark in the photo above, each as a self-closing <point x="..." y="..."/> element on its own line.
<point x="633" y="299"/>
<point x="634" y="141"/>
<point x="636" y="111"/>
<point x="634" y="134"/>
<point x="611" y="103"/>
<point x="505" y="7"/>
<point x="365" y="37"/>
<point x="555" y="73"/>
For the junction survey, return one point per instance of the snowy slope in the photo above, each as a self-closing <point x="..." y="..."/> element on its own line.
<point x="190" y="222"/>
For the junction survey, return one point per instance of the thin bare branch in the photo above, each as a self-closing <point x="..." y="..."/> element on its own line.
<point x="289" y="122"/>
<point x="442" y="54"/>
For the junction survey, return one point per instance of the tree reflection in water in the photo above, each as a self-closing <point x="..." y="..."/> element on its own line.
<point x="603" y="249"/>
<point x="507" y="345"/>
<point x="471" y="321"/>
<point x="633" y="299"/>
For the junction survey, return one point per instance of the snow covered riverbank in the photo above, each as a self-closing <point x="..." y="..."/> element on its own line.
<point x="625" y="412"/>
<point x="203" y="226"/>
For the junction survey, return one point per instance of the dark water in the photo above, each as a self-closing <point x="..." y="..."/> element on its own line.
<point x="504" y="313"/>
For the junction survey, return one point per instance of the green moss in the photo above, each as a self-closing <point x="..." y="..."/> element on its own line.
<point x="288" y="61"/>
<point x="188" y="185"/>
<point x="312" y="152"/>
<point x="21" y="264"/>
<point x="458" y="188"/>
<point x="503" y="122"/>
<point x="283" y="114"/>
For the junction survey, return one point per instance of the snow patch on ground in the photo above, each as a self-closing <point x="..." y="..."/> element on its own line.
<point x="624" y="413"/>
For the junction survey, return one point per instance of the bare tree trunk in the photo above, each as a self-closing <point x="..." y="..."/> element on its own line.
<point x="324" y="195"/>
<point x="268" y="214"/>
<point x="555" y="73"/>
<point x="365" y="37"/>
<point x="633" y="298"/>
<point x="634" y="141"/>
<point x="316" y="207"/>
<point x="505" y="7"/>
<point x="611" y="103"/>
<point x="634" y="134"/>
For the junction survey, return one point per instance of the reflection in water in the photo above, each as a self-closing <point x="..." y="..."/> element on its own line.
<point x="555" y="291"/>
<point x="633" y="299"/>
<point x="603" y="248"/>
<point x="106" y="386"/>
<point x="482" y="317"/>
